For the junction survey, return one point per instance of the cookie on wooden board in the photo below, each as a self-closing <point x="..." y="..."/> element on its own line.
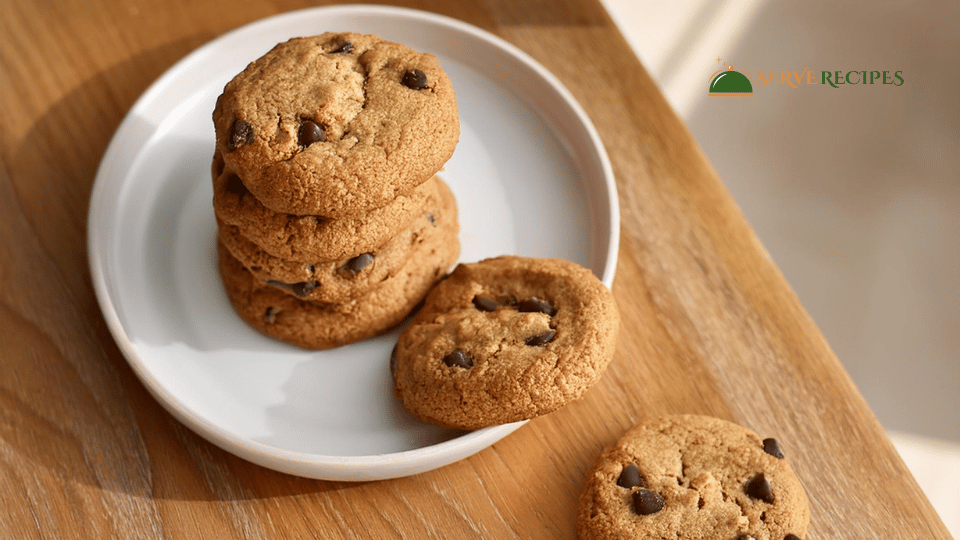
<point x="693" y="477"/>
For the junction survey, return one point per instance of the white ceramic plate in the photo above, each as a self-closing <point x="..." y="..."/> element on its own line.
<point x="530" y="176"/>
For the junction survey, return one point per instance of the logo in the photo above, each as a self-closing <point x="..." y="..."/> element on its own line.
<point x="730" y="82"/>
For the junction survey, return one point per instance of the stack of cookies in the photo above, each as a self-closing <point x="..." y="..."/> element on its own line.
<point x="332" y="222"/>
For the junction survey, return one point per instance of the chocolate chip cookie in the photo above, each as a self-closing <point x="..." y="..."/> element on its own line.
<point x="693" y="477"/>
<point x="308" y="239"/>
<point x="336" y="125"/>
<point x="505" y="339"/>
<point x="321" y="325"/>
<point x="342" y="280"/>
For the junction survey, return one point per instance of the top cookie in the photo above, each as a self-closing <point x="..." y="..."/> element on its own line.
<point x="694" y="477"/>
<point x="336" y="125"/>
<point x="505" y="339"/>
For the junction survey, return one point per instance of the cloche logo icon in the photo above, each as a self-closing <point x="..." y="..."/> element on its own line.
<point x="730" y="83"/>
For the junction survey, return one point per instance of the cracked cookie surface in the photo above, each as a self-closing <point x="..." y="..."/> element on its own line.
<point x="505" y="339"/>
<point x="708" y="479"/>
<point x="337" y="124"/>
<point x="342" y="280"/>
<point x="308" y="239"/>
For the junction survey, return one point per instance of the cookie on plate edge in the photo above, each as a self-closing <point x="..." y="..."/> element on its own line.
<point x="503" y="340"/>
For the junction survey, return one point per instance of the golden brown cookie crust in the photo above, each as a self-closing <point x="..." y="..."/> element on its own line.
<point x="310" y="239"/>
<point x="317" y="325"/>
<point x="699" y="466"/>
<point x="381" y="137"/>
<point x="511" y="377"/>
<point x="345" y="279"/>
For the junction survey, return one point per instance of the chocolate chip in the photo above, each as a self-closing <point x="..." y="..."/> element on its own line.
<point x="791" y="537"/>
<point x="240" y="134"/>
<point x="536" y="305"/>
<point x="236" y="186"/>
<point x="647" y="502"/>
<point x="300" y="289"/>
<point x="358" y="263"/>
<point x="458" y="359"/>
<point x="415" y="79"/>
<point x="270" y="316"/>
<point x="303" y="288"/>
<point x="310" y="133"/>
<point x="345" y="48"/>
<point x="312" y="269"/>
<point x="431" y="219"/>
<point x="759" y="488"/>
<point x="746" y="537"/>
<point x="484" y="304"/>
<point x="630" y="477"/>
<point x="772" y="447"/>
<point x="541" y="339"/>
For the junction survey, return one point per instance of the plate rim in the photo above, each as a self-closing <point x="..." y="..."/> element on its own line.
<point x="350" y="468"/>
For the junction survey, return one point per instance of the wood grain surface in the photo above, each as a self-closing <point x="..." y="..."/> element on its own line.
<point x="710" y="324"/>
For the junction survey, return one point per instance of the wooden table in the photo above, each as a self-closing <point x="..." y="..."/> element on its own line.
<point x="709" y="324"/>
